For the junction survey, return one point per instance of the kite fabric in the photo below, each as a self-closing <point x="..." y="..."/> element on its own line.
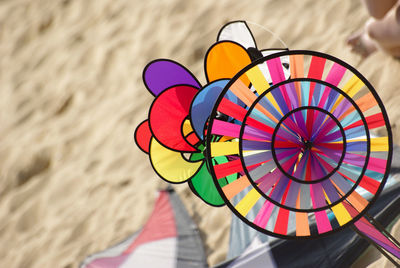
<point x="249" y="248"/>
<point x="169" y="239"/>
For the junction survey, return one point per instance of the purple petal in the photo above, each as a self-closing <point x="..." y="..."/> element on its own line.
<point x="161" y="74"/>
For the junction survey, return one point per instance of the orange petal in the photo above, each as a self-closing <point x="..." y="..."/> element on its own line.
<point x="224" y="60"/>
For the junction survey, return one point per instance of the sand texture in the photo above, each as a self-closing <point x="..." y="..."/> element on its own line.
<point x="72" y="181"/>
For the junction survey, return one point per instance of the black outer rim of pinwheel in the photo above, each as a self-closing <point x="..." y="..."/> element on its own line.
<point x="384" y="114"/>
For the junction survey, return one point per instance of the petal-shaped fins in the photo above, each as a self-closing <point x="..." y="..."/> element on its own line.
<point x="161" y="74"/>
<point x="239" y="32"/>
<point x="143" y="136"/>
<point x="171" y="166"/>
<point x="202" y="185"/>
<point x="203" y="104"/>
<point x="224" y="60"/>
<point x="167" y="116"/>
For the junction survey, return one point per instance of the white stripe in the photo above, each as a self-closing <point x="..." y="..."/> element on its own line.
<point x="157" y="254"/>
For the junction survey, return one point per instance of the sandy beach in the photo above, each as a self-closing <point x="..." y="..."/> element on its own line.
<point x="72" y="180"/>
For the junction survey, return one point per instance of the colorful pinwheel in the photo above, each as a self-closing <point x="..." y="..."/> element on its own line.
<point x="167" y="136"/>
<point x="282" y="137"/>
<point x="304" y="145"/>
<point x="173" y="136"/>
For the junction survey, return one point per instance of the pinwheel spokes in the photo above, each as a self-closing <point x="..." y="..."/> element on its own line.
<point x="306" y="151"/>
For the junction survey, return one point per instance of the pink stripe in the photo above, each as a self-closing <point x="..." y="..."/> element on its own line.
<point x="232" y="130"/>
<point x="374" y="164"/>
<point x="323" y="224"/>
<point x="377" y="164"/>
<point x="324" y="97"/>
<point x="264" y="214"/>
<point x="335" y="75"/>
<point x="225" y="129"/>
<point x="275" y="70"/>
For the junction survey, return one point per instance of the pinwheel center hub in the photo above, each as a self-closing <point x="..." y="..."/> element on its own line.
<point x="308" y="144"/>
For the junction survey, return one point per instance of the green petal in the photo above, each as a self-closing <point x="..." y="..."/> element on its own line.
<point x="203" y="186"/>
